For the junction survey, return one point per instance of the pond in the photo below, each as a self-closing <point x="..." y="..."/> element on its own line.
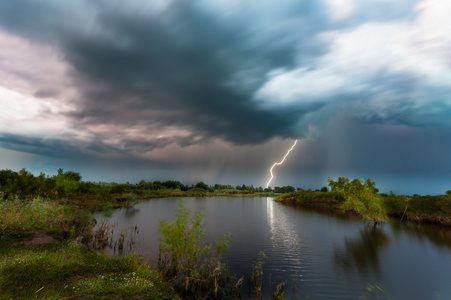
<point x="319" y="254"/>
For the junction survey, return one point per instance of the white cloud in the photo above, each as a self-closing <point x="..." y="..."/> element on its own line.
<point x="27" y="115"/>
<point x="340" y="9"/>
<point x="35" y="90"/>
<point x="368" y="60"/>
<point x="301" y="86"/>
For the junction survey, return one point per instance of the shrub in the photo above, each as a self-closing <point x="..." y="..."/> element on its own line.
<point x="185" y="260"/>
<point x="19" y="216"/>
<point x="395" y="203"/>
<point x="434" y="205"/>
<point x="361" y="197"/>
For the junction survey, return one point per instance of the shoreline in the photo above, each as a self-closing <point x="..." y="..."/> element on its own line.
<point x="331" y="203"/>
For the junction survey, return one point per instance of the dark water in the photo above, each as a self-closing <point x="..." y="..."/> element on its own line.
<point x="316" y="253"/>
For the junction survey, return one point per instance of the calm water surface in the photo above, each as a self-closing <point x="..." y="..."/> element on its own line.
<point x="318" y="254"/>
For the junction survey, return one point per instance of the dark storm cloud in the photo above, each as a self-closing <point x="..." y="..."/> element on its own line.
<point x="188" y="72"/>
<point x="179" y="67"/>
<point x="37" y="20"/>
<point x="48" y="147"/>
<point x="174" y="70"/>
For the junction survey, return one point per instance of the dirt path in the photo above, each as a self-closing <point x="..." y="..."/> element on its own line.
<point x="39" y="238"/>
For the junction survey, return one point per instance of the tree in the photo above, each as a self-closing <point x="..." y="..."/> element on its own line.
<point x="361" y="197"/>
<point x="69" y="175"/>
<point x="68" y="183"/>
<point x="284" y="189"/>
<point x="201" y="185"/>
<point x="339" y="185"/>
<point x="268" y="190"/>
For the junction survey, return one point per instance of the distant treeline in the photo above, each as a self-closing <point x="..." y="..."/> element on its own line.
<point x="24" y="184"/>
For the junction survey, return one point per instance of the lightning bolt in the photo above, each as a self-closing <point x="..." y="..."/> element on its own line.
<point x="279" y="163"/>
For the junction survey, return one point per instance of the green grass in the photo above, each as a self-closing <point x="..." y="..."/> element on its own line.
<point x="62" y="270"/>
<point x="17" y="217"/>
<point x="307" y="195"/>
<point x="65" y="269"/>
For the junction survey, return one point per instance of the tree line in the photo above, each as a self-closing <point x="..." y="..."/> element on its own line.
<point x="24" y="184"/>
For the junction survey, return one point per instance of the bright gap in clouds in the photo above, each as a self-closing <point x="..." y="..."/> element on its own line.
<point x="380" y="64"/>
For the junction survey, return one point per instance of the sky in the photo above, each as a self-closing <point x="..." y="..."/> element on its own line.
<point x="218" y="90"/>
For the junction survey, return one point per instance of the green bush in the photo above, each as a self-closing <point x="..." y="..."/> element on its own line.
<point x="361" y="197"/>
<point x="19" y="216"/>
<point x="185" y="260"/>
<point x="434" y="205"/>
<point x="25" y="184"/>
<point x="198" y="190"/>
<point x="395" y="203"/>
<point x="308" y="195"/>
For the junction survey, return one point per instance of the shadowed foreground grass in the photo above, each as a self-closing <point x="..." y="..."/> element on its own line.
<point x="66" y="270"/>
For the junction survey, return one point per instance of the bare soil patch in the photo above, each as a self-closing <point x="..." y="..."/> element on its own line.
<point x="39" y="238"/>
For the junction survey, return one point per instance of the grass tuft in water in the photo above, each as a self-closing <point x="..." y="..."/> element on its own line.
<point x="189" y="264"/>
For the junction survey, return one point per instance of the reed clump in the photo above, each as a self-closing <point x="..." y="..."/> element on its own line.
<point x="192" y="267"/>
<point x="102" y="239"/>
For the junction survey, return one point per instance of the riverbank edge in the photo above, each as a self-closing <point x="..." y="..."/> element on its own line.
<point x="331" y="203"/>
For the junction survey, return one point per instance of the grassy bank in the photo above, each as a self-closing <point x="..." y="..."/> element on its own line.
<point x="66" y="270"/>
<point x="425" y="209"/>
<point x="63" y="268"/>
<point x="19" y="217"/>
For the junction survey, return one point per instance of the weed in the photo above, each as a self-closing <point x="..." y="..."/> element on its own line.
<point x="187" y="262"/>
<point x="257" y="274"/>
<point x="108" y="210"/>
<point x="20" y="216"/>
<point x="374" y="291"/>
<point x="101" y="238"/>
